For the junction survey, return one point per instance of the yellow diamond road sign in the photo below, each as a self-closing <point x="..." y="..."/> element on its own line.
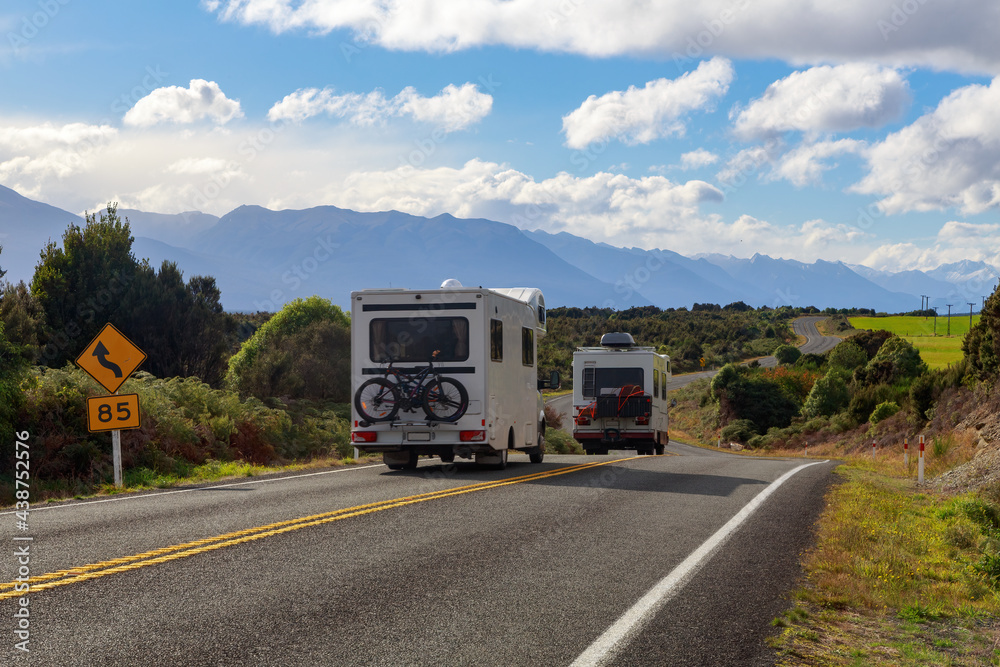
<point x="110" y="358"/>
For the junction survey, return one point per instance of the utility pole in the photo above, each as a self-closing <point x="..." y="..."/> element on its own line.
<point x="935" y="320"/>
<point x="971" y="304"/>
<point x="949" y="317"/>
<point x="924" y="298"/>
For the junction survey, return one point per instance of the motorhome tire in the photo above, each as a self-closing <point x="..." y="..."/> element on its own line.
<point x="537" y="453"/>
<point x="377" y="400"/>
<point x="447" y="457"/>
<point x="659" y="450"/>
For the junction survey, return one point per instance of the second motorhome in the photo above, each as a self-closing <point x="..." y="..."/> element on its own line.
<point x="447" y="372"/>
<point x="620" y="396"/>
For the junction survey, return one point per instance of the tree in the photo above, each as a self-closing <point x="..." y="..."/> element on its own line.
<point x="847" y="355"/>
<point x="982" y="344"/>
<point x="896" y="360"/>
<point x="12" y="368"/>
<point x="183" y="328"/>
<point x="829" y="395"/>
<point x="787" y="354"/>
<point x="80" y="286"/>
<point x="22" y="319"/>
<point x="303" y="351"/>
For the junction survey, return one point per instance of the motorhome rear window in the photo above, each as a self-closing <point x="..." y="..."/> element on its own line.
<point x="414" y="339"/>
<point x="610" y="380"/>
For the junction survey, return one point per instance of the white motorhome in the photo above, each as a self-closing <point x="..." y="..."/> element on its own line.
<point x="620" y="396"/>
<point x="482" y="341"/>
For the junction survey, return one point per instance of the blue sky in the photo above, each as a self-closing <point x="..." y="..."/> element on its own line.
<point x="870" y="134"/>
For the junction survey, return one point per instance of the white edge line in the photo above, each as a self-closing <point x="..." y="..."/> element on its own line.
<point x="642" y="611"/>
<point x="200" y="488"/>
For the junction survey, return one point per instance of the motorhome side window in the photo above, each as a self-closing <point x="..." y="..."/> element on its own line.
<point x="527" y="346"/>
<point x="656" y="383"/>
<point x="588" y="382"/>
<point x="496" y="340"/>
<point x="414" y="339"/>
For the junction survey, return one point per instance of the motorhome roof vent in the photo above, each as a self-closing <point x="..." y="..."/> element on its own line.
<point x="451" y="283"/>
<point x="617" y="340"/>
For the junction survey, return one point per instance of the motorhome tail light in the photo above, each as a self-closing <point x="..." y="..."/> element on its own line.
<point x="364" y="436"/>
<point x="582" y="420"/>
<point x="472" y="436"/>
<point x="642" y="419"/>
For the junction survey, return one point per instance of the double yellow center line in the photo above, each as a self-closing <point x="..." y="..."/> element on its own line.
<point x="176" y="552"/>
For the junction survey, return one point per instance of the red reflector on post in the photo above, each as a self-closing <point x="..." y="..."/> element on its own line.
<point x="364" y="436"/>
<point x="472" y="436"/>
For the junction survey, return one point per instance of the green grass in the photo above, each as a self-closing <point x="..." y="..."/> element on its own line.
<point x="939" y="349"/>
<point x="896" y="577"/>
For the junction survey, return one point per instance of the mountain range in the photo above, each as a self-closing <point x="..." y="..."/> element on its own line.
<point x="262" y="259"/>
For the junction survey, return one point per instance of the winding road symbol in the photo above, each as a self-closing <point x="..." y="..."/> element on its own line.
<point x="110" y="358"/>
<point x="102" y="353"/>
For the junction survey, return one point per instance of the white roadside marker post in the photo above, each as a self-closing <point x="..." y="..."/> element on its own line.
<point x="920" y="463"/>
<point x="873" y="450"/>
<point x="906" y="453"/>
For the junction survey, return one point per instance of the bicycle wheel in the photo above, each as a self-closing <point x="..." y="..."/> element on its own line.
<point x="445" y="400"/>
<point x="377" y="400"/>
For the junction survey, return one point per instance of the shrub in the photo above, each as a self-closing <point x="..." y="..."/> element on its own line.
<point x="866" y="399"/>
<point x="847" y="355"/>
<point x="883" y="411"/>
<point x="740" y="430"/>
<point x="558" y="441"/>
<point x="787" y="354"/>
<point x="829" y="394"/>
<point x="748" y="393"/>
<point x="922" y="395"/>
<point x="303" y="351"/>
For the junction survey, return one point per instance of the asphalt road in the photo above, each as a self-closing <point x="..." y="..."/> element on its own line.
<point x="530" y="572"/>
<point x="803" y="326"/>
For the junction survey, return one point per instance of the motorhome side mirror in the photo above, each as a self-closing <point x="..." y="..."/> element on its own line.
<point x="551" y="383"/>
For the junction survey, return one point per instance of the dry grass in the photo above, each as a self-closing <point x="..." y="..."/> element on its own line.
<point x="896" y="577"/>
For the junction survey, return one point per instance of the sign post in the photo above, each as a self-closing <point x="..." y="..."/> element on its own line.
<point x="920" y="462"/>
<point x="110" y="359"/>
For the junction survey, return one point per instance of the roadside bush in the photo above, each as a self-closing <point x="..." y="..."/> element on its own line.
<point x="871" y="341"/>
<point x="558" y="441"/>
<point x="740" y="430"/>
<point x="883" y="411"/>
<point x="787" y="354"/>
<point x="847" y="355"/>
<point x="303" y="351"/>
<point x="553" y="418"/>
<point x="184" y="423"/>
<point x="811" y="361"/>
<point x="922" y="395"/>
<point x="866" y="399"/>
<point x="746" y="393"/>
<point x="829" y="394"/>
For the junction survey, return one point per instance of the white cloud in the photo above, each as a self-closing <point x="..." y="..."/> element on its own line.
<point x="948" y="158"/>
<point x="642" y="115"/>
<point x="201" y="100"/>
<point x="455" y="108"/>
<point x="747" y="163"/>
<point x="32" y="153"/>
<point x="805" y="164"/>
<point x="826" y="99"/>
<point x="697" y="159"/>
<point x="938" y="35"/>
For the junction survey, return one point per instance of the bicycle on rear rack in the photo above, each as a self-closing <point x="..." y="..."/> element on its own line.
<point x="442" y="398"/>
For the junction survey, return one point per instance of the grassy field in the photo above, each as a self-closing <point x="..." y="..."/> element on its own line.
<point x="939" y="349"/>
